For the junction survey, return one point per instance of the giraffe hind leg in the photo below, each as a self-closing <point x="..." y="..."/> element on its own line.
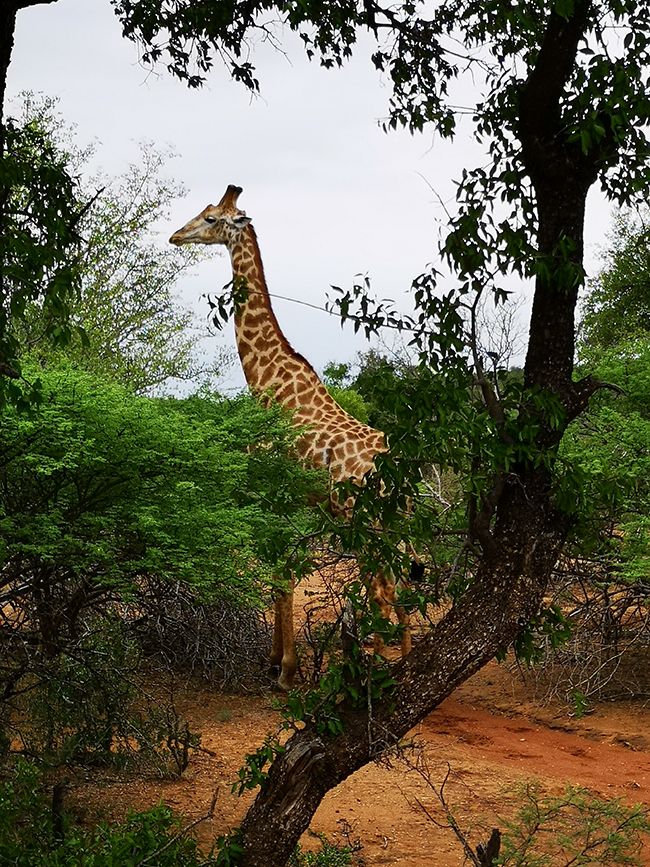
<point x="283" y="651"/>
<point x="416" y="573"/>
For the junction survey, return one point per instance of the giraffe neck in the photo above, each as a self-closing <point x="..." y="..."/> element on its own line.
<point x="331" y="438"/>
<point x="265" y="353"/>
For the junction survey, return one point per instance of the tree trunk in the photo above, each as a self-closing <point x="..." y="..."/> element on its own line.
<point x="528" y="533"/>
<point x="8" y="11"/>
<point x="506" y="593"/>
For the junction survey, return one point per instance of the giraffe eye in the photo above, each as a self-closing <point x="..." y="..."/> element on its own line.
<point x="210" y="219"/>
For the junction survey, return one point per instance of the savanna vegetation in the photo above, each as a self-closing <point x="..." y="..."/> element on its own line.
<point x="525" y="491"/>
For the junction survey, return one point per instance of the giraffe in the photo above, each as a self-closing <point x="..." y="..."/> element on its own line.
<point x="332" y="438"/>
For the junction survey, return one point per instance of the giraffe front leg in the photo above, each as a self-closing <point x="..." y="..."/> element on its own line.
<point x="384" y="595"/>
<point x="415" y="574"/>
<point x="283" y="651"/>
<point x="405" y="622"/>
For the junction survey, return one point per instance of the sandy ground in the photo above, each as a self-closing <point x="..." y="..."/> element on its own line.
<point x="483" y="740"/>
<point x="492" y="733"/>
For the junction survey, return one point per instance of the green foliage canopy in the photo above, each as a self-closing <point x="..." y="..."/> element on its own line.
<point x="424" y="51"/>
<point x="105" y="484"/>
<point x="40" y="209"/>
<point x="617" y="306"/>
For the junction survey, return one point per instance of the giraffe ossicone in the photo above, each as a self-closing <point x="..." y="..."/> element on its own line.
<point x="332" y="439"/>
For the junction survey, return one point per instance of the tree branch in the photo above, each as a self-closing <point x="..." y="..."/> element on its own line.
<point x="578" y="396"/>
<point x="540" y="99"/>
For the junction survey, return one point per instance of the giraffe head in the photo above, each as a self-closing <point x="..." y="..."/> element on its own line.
<point x="217" y="224"/>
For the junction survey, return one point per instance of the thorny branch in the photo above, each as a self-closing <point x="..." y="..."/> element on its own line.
<point x="486" y="854"/>
<point x="183" y="832"/>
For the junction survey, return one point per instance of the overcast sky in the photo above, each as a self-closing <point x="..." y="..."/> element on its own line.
<point x="330" y="194"/>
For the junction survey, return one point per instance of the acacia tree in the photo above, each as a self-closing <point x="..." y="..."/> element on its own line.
<point x="136" y="332"/>
<point x="101" y="491"/>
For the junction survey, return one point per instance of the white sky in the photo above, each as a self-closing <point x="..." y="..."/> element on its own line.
<point x="330" y="194"/>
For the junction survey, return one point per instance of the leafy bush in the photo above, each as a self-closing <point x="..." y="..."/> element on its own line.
<point x="601" y="585"/>
<point x="33" y="835"/>
<point x="574" y="828"/>
<point x="108" y="486"/>
<point x="329" y="855"/>
<point x="104" y="491"/>
<point x="79" y="704"/>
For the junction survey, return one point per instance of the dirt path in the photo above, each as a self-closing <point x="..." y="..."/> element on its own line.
<point x="488" y="735"/>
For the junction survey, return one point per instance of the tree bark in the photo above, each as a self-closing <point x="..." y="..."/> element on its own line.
<point x="561" y="175"/>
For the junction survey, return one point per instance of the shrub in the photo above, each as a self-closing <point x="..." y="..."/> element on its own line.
<point x="32" y="835"/>
<point x="329" y="855"/>
<point x="574" y="828"/>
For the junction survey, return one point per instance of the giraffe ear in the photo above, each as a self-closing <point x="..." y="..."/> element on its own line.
<point x="241" y="220"/>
